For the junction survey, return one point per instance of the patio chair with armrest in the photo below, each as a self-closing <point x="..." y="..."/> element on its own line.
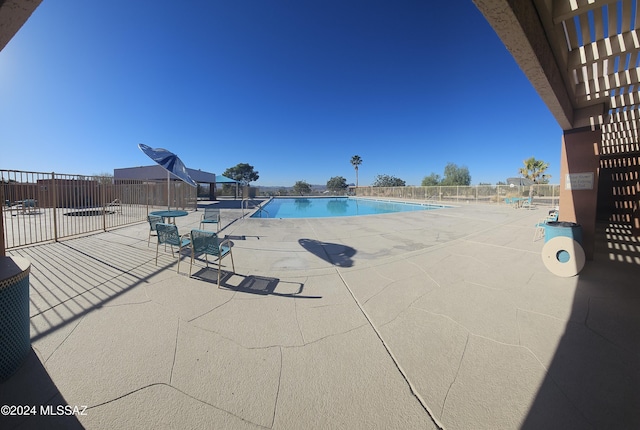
<point x="208" y="243"/>
<point x="541" y="225"/>
<point x="527" y="203"/>
<point x="211" y="216"/>
<point x="153" y="221"/>
<point x="168" y="234"/>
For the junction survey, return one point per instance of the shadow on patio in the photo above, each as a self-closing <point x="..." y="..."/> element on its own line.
<point x="262" y="285"/>
<point x="594" y="370"/>
<point x="334" y="253"/>
<point x="31" y="387"/>
<point x="70" y="279"/>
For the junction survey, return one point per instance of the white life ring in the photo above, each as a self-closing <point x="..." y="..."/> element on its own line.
<point x="563" y="256"/>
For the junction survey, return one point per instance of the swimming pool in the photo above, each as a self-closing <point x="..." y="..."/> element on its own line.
<point x="323" y="207"/>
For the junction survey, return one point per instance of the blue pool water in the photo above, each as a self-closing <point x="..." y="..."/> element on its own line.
<point x="324" y="207"/>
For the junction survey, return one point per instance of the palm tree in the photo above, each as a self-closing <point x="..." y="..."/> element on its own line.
<point x="534" y="169"/>
<point x="356" y="161"/>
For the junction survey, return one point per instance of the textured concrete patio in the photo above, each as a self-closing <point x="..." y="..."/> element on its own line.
<point x="429" y="319"/>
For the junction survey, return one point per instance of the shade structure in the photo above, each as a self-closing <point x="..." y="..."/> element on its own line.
<point x="171" y="163"/>
<point x="220" y="179"/>
<point x="520" y="181"/>
<point x="224" y="180"/>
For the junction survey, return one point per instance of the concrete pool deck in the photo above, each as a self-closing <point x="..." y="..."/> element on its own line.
<point x="444" y="318"/>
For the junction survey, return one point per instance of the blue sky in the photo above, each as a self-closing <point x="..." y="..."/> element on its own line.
<point x="292" y="87"/>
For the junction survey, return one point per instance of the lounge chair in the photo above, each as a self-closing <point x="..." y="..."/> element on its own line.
<point x="168" y="234"/>
<point x="29" y="206"/>
<point x="211" y="216"/>
<point x="541" y="225"/>
<point x="153" y="221"/>
<point x="117" y="205"/>
<point x="527" y="203"/>
<point x="208" y="243"/>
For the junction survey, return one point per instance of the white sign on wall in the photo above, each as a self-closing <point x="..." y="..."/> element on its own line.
<point x="579" y="181"/>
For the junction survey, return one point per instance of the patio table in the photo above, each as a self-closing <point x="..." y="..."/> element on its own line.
<point x="170" y="215"/>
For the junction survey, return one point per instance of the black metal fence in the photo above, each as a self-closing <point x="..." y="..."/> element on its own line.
<point x="542" y="194"/>
<point x="39" y="207"/>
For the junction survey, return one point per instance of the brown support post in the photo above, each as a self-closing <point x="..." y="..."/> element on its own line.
<point x="579" y="169"/>
<point x="212" y="191"/>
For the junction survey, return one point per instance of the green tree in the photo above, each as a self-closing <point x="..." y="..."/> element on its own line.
<point x="431" y="180"/>
<point x="534" y="169"/>
<point x="337" y="184"/>
<point x="454" y="175"/>
<point x="302" y="188"/>
<point x="388" y="181"/>
<point x="356" y="161"/>
<point x="242" y="173"/>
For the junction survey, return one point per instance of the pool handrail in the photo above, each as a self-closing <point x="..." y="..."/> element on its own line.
<point x="259" y="206"/>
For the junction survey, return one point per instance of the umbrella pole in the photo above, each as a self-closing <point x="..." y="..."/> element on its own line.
<point x="168" y="191"/>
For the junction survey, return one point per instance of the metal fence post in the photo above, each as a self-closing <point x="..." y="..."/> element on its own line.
<point x="103" y="197"/>
<point x="54" y="205"/>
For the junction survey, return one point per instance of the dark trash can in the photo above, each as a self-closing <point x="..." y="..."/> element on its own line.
<point x="563" y="228"/>
<point x="15" y="341"/>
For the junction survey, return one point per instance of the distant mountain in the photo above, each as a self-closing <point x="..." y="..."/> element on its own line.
<point x="265" y="188"/>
